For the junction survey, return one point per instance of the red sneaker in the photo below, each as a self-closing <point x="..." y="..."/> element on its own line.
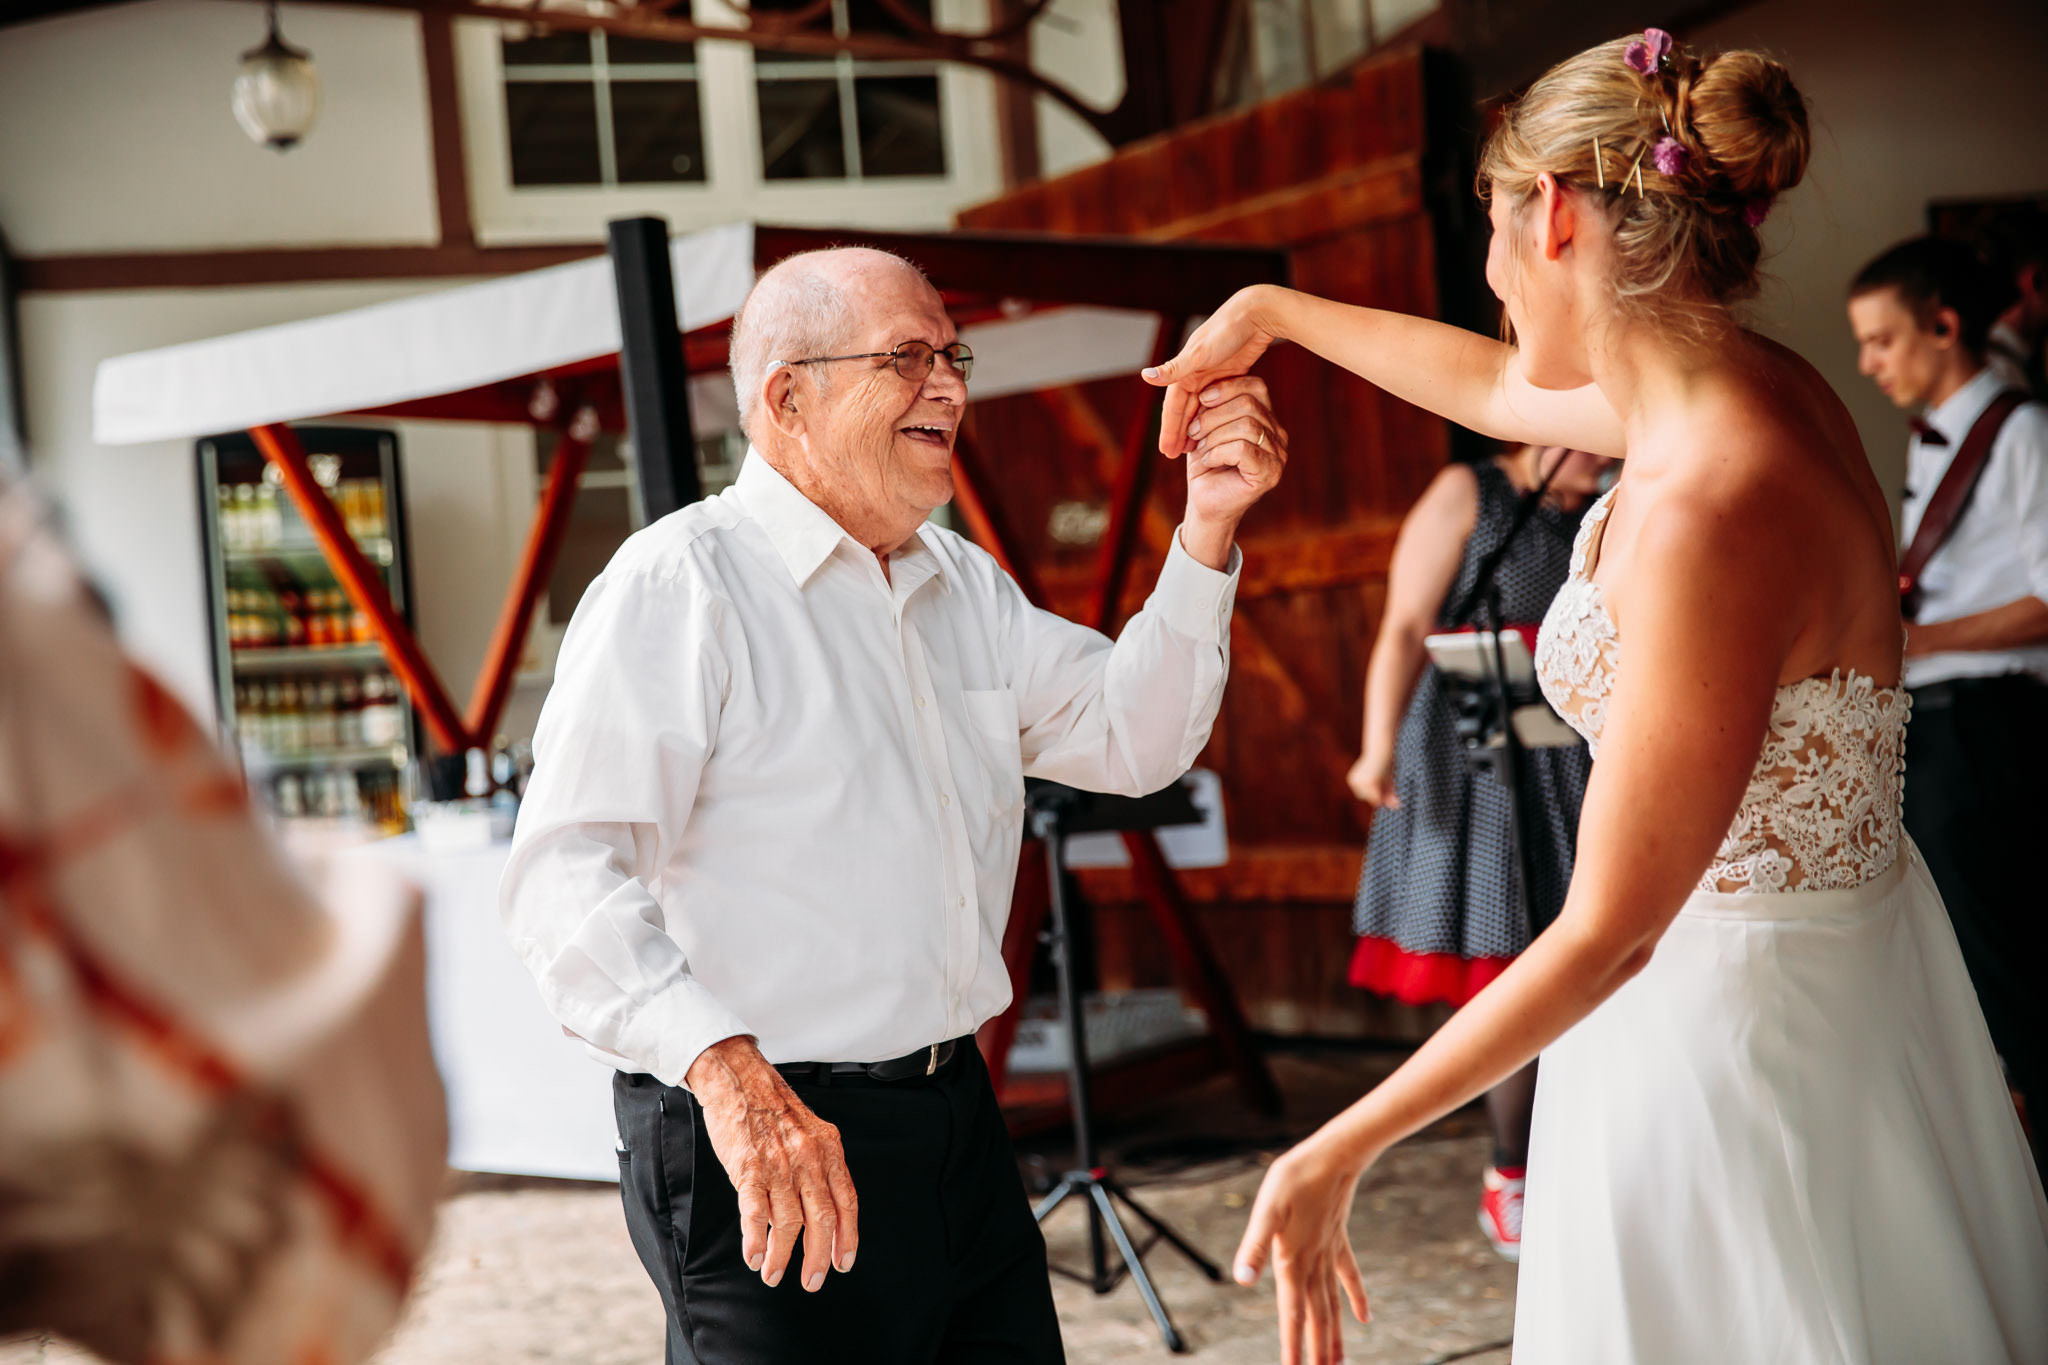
<point x="1500" y="1210"/>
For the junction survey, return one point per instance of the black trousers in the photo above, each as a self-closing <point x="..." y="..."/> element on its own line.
<point x="1977" y="805"/>
<point x="951" y="1266"/>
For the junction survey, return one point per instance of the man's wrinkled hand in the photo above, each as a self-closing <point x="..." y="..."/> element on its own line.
<point x="785" y="1162"/>
<point x="1236" y="453"/>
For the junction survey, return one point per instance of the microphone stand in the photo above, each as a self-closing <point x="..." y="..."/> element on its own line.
<point x="1507" y="763"/>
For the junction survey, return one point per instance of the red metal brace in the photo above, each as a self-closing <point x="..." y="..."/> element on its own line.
<point x="536" y="562"/>
<point x="280" y="445"/>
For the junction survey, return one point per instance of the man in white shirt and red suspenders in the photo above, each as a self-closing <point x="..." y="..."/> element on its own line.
<point x="764" y="864"/>
<point x="1974" y="585"/>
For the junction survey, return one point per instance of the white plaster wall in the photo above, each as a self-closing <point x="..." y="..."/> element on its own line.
<point x="115" y="132"/>
<point x="1909" y="104"/>
<point x="132" y="512"/>
<point x="1078" y="44"/>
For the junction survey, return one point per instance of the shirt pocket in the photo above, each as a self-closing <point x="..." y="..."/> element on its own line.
<point x="998" y="745"/>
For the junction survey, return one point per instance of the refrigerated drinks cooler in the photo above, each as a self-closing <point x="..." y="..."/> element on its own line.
<point x="323" y="726"/>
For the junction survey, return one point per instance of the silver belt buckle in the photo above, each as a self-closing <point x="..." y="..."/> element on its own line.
<point x="931" y="1066"/>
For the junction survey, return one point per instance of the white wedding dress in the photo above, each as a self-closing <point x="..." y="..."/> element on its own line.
<point x="1787" y="1141"/>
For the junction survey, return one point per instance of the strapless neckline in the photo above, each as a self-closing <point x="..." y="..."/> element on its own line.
<point x="1590" y="538"/>
<point x="1822" y="808"/>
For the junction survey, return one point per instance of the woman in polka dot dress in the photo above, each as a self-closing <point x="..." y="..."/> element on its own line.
<point x="1439" y="912"/>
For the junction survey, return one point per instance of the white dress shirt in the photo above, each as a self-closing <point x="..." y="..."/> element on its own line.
<point x="1997" y="552"/>
<point x="777" y="794"/>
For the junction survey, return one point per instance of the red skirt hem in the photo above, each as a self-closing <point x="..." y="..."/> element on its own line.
<point x="1384" y="967"/>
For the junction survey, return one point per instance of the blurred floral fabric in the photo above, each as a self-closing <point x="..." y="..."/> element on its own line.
<point x="221" y="1131"/>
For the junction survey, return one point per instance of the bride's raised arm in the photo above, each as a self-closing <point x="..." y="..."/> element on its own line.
<point x="1469" y="379"/>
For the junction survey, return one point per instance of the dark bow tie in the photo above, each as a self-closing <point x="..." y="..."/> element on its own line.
<point x="1929" y="434"/>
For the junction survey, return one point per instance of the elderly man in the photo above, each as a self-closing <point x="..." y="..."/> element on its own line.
<point x="765" y="861"/>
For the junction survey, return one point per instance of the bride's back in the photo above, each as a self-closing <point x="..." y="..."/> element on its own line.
<point x="1780" y="442"/>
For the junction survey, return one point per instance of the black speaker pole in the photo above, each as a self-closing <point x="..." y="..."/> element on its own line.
<point x="652" y="367"/>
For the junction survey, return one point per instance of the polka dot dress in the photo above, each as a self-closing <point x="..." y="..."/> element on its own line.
<point x="1438" y="912"/>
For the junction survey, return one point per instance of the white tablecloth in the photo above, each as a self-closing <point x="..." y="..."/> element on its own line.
<point x="523" y="1098"/>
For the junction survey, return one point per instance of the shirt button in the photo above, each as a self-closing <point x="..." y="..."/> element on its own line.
<point x="945" y="800"/>
<point x="920" y="703"/>
<point x="963" y="903"/>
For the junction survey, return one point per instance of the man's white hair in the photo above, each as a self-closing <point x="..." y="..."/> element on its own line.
<point x="799" y="308"/>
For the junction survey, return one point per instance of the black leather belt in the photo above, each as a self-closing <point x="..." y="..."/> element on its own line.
<point x="913" y="1066"/>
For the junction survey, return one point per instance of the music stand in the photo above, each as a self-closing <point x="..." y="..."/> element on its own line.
<point x="1056" y="812"/>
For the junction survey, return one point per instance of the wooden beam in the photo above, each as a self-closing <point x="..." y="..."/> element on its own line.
<point x="1342" y="556"/>
<point x="444" y="119"/>
<point x="1186" y="277"/>
<point x="1299" y="214"/>
<point x="280" y="445"/>
<point x="1016" y="105"/>
<point x="285" y="265"/>
<point x="1275" y="874"/>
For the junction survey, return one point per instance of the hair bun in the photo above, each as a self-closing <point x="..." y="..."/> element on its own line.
<point x="1751" y="120"/>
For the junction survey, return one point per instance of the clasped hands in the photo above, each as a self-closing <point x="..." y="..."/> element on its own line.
<point x="1221" y="419"/>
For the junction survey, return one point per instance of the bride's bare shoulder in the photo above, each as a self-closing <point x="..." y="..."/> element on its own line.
<point x="1735" y="471"/>
<point x="1788" y="386"/>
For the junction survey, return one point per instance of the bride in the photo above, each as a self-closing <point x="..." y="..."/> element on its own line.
<point x="1770" y="1126"/>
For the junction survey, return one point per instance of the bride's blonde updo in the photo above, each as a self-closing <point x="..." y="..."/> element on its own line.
<point x="1692" y="151"/>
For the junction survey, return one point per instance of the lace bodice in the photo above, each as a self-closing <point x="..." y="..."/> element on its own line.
<point x="1822" y="809"/>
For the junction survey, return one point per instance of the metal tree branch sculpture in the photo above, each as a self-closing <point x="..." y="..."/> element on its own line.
<point x="807" y="29"/>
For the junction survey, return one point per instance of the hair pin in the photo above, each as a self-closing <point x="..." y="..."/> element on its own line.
<point x="1635" y="170"/>
<point x="1647" y="54"/>
<point x="1599" y="162"/>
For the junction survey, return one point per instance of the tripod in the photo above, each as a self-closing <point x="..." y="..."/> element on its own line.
<point x="1057" y="811"/>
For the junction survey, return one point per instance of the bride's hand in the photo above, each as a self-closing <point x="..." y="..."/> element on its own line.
<point x="1298" y="1224"/>
<point x="1223" y="347"/>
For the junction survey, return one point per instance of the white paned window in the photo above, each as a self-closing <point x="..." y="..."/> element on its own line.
<point x="844" y="118"/>
<point x="597" y="109"/>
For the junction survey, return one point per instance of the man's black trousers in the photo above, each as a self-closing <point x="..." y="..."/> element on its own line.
<point x="1977" y="805"/>
<point x="951" y="1266"/>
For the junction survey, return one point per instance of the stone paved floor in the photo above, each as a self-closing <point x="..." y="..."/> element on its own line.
<point x="525" y="1272"/>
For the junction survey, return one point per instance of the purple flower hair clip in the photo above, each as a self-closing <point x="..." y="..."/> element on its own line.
<point x="1647" y="53"/>
<point x="1670" y="156"/>
<point x="1756" y="210"/>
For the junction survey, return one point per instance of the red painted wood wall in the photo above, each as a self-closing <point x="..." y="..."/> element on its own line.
<point x="1364" y="186"/>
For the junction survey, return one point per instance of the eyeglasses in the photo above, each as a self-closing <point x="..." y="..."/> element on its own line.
<point x="913" y="360"/>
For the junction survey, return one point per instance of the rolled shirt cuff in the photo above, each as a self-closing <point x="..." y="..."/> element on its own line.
<point x="663" y="1036"/>
<point x="1192" y="598"/>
